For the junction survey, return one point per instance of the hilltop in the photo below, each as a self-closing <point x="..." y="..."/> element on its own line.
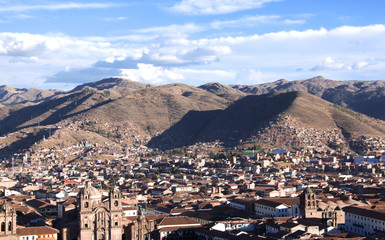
<point x="224" y="91"/>
<point x="11" y="96"/>
<point x="112" y="83"/>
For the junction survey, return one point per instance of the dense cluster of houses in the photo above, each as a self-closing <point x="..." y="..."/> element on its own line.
<point x="194" y="194"/>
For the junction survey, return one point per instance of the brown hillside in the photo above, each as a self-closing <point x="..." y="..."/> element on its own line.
<point x="223" y="91"/>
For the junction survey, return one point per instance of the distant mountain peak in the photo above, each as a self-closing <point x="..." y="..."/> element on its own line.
<point x="7" y="88"/>
<point x="281" y="81"/>
<point x="361" y="96"/>
<point x="224" y="91"/>
<point x="10" y="95"/>
<point x="317" y="78"/>
<point x="112" y="83"/>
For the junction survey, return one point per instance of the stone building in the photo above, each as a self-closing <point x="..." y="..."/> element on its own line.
<point x="7" y="221"/>
<point x="142" y="227"/>
<point x="330" y="213"/>
<point x="100" y="216"/>
<point x="308" y="204"/>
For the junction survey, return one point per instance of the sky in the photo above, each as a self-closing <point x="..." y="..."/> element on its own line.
<point x="61" y="44"/>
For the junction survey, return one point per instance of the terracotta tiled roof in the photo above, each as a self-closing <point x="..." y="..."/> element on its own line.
<point x="183" y="220"/>
<point x="35" y="203"/>
<point x="366" y="212"/>
<point x="44" y="230"/>
<point x="171" y="229"/>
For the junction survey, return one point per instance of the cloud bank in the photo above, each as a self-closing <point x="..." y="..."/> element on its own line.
<point x="346" y="52"/>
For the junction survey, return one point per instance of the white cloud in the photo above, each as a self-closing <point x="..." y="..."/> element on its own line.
<point x="249" y="76"/>
<point x="202" y="76"/>
<point x="21" y="16"/>
<point x="329" y="64"/>
<point x="170" y="52"/>
<point x="114" y="19"/>
<point x="251" y="21"/>
<point x="351" y="44"/>
<point x="340" y="53"/>
<point x="28" y="60"/>
<point x="206" y="7"/>
<point x="148" y="73"/>
<point x="54" y="7"/>
<point x="360" y="65"/>
<point x="172" y="29"/>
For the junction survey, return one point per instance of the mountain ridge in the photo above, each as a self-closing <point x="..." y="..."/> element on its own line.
<point x="11" y="95"/>
<point x="176" y="115"/>
<point x="251" y="114"/>
<point x="112" y="83"/>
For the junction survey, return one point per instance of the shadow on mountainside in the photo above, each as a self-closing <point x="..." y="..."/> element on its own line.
<point x="366" y="102"/>
<point x="184" y="132"/>
<point x="239" y="121"/>
<point x="50" y="112"/>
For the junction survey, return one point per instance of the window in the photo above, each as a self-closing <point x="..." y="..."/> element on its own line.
<point x="116" y="224"/>
<point x="86" y="225"/>
<point x="3" y="226"/>
<point x="10" y="226"/>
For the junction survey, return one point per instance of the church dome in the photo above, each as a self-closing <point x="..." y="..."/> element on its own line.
<point x="90" y="191"/>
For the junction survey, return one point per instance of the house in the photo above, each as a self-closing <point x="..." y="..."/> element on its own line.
<point x="43" y="232"/>
<point x="42" y="207"/>
<point x="129" y="211"/>
<point x="277" y="207"/>
<point x="365" y="220"/>
<point x="238" y="204"/>
<point x="237" y="224"/>
<point x="177" y="226"/>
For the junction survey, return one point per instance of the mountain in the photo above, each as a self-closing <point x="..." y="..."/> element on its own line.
<point x="103" y="117"/>
<point x="112" y="83"/>
<point x="10" y="95"/>
<point x="157" y="108"/>
<point x="288" y="113"/>
<point x="360" y="96"/>
<point x="224" y="91"/>
<point x="118" y="112"/>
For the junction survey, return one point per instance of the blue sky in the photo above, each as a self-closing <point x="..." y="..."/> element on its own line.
<point x="60" y="44"/>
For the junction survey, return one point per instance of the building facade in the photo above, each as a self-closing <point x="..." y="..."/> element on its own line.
<point x="364" y="221"/>
<point x="331" y="215"/>
<point x="276" y="207"/>
<point x="308" y="204"/>
<point x="7" y="221"/>
<point x="100" y="217"/>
